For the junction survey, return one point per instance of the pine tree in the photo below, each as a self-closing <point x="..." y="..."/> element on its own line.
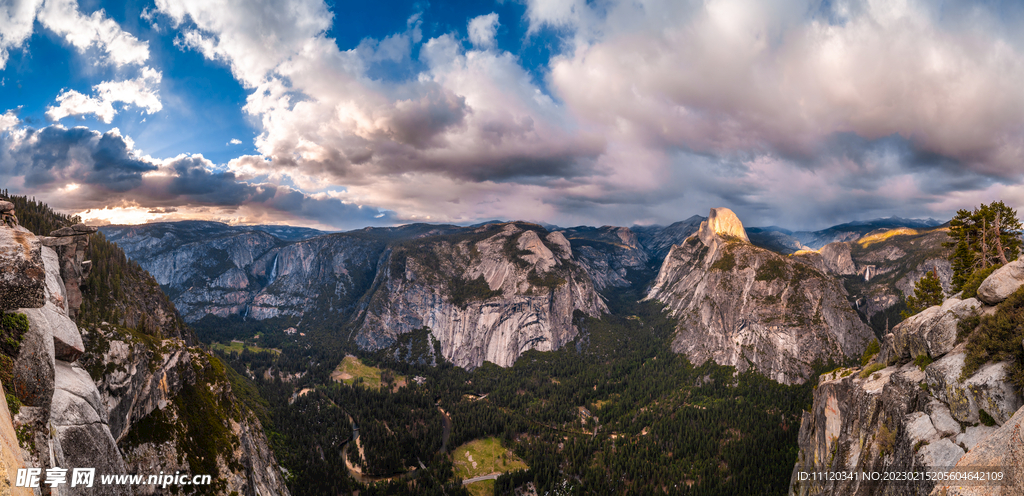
<point x="927" y="293"/>
<point x="988" y="235"/>
<point x="963" y="263"/>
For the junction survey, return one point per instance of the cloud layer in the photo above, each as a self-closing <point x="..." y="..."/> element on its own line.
<point x="646" y="101"/>
<point x="88" y="170"/>
<point x="789" y="111"/>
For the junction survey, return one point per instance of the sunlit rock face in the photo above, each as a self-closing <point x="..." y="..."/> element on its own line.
<point x="488" y="295"/>
<point x="745" y="306"/>
<point x="722" y="222"/>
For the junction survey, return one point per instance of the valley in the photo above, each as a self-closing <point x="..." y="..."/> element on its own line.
<point x="507" y="358"/>
<point x="609" y="393"/>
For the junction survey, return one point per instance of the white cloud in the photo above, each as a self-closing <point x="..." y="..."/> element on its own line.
<point x="16" y="17"/>
<point x="8" y="120"/>
<point x="235" y="141"/>
<point x="81" y="31"/>
<point x="660" y="106"/>
<point x="754" y="76"/>
<point x="252" y="36"/>
<point x="483" y="29"/>
<point x="142" y="92"/>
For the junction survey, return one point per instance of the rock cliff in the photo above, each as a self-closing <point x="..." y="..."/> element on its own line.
<point x="224" y="271"/>
<point x="384" y="282"/>
<point x="136" y="399"/>
<point x="488" y="294"/>
<point x="944" y="391"/>
<point x="62" y="420"/>
<point x="209" y="268"/>
<point x="888" y="263"/>
<point x="608" y="254"/>
<point x="745" y="306"/>
<point x="658" y="240"/>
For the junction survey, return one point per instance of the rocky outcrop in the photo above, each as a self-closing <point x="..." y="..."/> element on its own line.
<point x="608" y="254"/>
<point x="932" y="332"/>
<point x="872" y="424"/>
<point x="62" y="411"/>
<point x="915" y="415"/>
<point x="22" y="282"/>
<point x="1002" y="283"/>
<point x="71" y="245"/>
<point x="745" y="306"/>
<point x="1003" y="448"/>
<point x="988" y="389"/>
<point x="7" y="216"/>
<point x="10" y="452"/>
<point x="87" y="402"/>
<point x="888" y="421"/>
<point x="488" y="295"/>
<point x="151" y="390"/>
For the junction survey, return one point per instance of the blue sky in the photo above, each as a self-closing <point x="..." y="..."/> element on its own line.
<point x="203" y="109"/>
<point x="344" y="114"/>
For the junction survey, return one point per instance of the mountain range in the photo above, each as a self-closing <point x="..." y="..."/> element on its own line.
<point x="491" y="291"/>
<point x="644" y="326"/>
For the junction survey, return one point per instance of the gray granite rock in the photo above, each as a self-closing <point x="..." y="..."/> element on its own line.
<point x="974" y="435"/>
<point x="23" y="278"/>
<point x="941" y="453"/>
<point x="745" y="306"/>
<point x="1002" y="448"/>
<point x="988" y="389"/>
<point x="1002" y="283"/>
<point x="942" y="420"/>
<point x="920" y="428"/>
<point x="933" y="331"/>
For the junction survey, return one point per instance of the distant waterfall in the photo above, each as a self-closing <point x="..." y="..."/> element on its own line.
<point x="273" y="272"/>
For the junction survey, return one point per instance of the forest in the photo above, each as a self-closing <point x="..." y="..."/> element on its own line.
<point x="613" y="412"/>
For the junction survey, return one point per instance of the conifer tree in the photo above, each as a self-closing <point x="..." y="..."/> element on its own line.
<point x="988" y="235"/>
<point x="927" y="293"/>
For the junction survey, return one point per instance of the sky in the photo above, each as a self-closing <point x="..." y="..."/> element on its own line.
<point x="342" y="114"/>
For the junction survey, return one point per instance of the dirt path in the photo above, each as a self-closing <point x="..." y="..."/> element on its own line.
<point x="479" y="478"/>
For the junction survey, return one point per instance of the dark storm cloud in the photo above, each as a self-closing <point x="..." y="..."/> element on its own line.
<point x="193" y="183"/>
<point x="107" y="172"/>
<point x="419" y="122"/>
<point x="55" y="156"/>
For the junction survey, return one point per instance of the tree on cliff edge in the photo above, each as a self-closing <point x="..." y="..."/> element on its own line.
<point x="988" y="235"/>
<point x="927" y="293"/>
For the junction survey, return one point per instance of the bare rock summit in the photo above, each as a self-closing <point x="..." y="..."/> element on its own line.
<point x="722" y="222"/>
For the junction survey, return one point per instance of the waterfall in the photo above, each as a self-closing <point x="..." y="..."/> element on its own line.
<point x="273" y="272"/>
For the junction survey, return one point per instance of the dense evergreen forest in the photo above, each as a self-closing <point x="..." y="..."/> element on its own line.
<point x="613" y="412"/>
